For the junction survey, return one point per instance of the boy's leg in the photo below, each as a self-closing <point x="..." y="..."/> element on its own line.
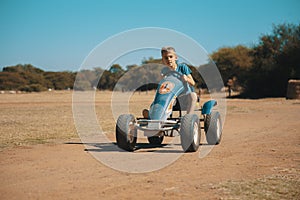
<point x="192" y="99"/>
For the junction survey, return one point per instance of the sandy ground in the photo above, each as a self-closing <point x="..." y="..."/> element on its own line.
<point x="42" y="158"/>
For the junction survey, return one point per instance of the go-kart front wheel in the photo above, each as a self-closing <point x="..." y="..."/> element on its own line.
<point x="126" y="132"/>
<point x="213" y="128"/>
<point x="190" y="133"/>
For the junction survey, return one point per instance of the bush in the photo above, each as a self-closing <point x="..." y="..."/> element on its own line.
<point x="33" y="88"/>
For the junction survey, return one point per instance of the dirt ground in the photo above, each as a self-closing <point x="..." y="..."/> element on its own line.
<point x="42" y="157"/>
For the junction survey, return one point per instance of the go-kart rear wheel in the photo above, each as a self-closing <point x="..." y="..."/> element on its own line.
<point x="126" y="132"/>
<point x="190" y="133"/>
<point x="156" y="140"/>
<point x="213" y="128"/>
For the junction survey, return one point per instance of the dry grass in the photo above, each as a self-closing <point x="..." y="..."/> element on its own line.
<point x="39" y="118"/>
<point x="284" y="184"/>
<point x="35" y="118"/>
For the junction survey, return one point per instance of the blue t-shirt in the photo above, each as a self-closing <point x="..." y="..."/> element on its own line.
<point x="184" y="69"/>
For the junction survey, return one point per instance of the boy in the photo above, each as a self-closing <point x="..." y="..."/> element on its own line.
<point x="169" y="58"/>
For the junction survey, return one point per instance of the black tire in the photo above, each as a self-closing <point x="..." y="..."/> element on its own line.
<point x="126" y="133"/>
<point x="206" y="122"/>
<point x="213" y="128"/>
<point x="190" y="133"/>
<point x="156" y="140"/>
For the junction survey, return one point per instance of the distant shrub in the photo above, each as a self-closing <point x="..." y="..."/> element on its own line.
<point x="33" y="88"/>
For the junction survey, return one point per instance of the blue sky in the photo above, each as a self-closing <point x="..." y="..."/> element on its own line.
<point x="57" y="35"/>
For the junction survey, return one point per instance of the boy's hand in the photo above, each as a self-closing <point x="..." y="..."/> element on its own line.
<point x="189" y="79"/>
<point x="184" y="77"/>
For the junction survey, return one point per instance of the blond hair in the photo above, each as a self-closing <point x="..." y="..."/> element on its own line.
<point x="167" y="49"/>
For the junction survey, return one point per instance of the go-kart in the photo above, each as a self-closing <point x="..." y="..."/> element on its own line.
<point x="170" y="98"/>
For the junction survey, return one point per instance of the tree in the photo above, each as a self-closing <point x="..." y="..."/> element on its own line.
<point x="29" y="78"/>
<point x="275" y="61"/>
<point x="59" y="80"/>
<point x="11" y="80"/>
<point x="131" y="67"/>
<point x="110" y="77"/>
<point x="151" y="60"/>
<point x="23" y="68"/>
<point x="234" y="63"/>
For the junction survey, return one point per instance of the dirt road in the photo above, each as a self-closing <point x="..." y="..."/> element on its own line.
<point x="258" y="158"/>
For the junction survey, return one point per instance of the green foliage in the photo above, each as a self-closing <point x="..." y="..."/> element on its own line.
<point x="233" y="62"/>
<point x="141" y="78"/>
<point x="59" y="80"/>
<point x="106" y="81"/>
<point x="11" y="80"/>
<point x="275" y="61"/>
<point x="27" y="68"/>
<point x="133" y="78"/>
<point x="31" y="79"/>
<point x="264" y="70"/>
<point x="151" y="60"/>
<point x="32" y="88"/>
<point x="197" y="77"/>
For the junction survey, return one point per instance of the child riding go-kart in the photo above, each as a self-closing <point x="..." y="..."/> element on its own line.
<point x="160" y="122"/>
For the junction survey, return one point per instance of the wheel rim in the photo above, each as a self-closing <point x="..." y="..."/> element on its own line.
<point x="131" y="132"/>
<point x="196" y="133"/>
<point x="218" y="128"/>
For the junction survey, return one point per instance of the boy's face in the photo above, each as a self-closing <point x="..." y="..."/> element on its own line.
<point x="169" y="59"/>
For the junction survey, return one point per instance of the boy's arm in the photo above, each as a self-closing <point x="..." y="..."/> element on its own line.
<point x="188" y="78"/>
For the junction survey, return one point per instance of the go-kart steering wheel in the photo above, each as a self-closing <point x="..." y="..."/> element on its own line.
<point x="168" y="72"/>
